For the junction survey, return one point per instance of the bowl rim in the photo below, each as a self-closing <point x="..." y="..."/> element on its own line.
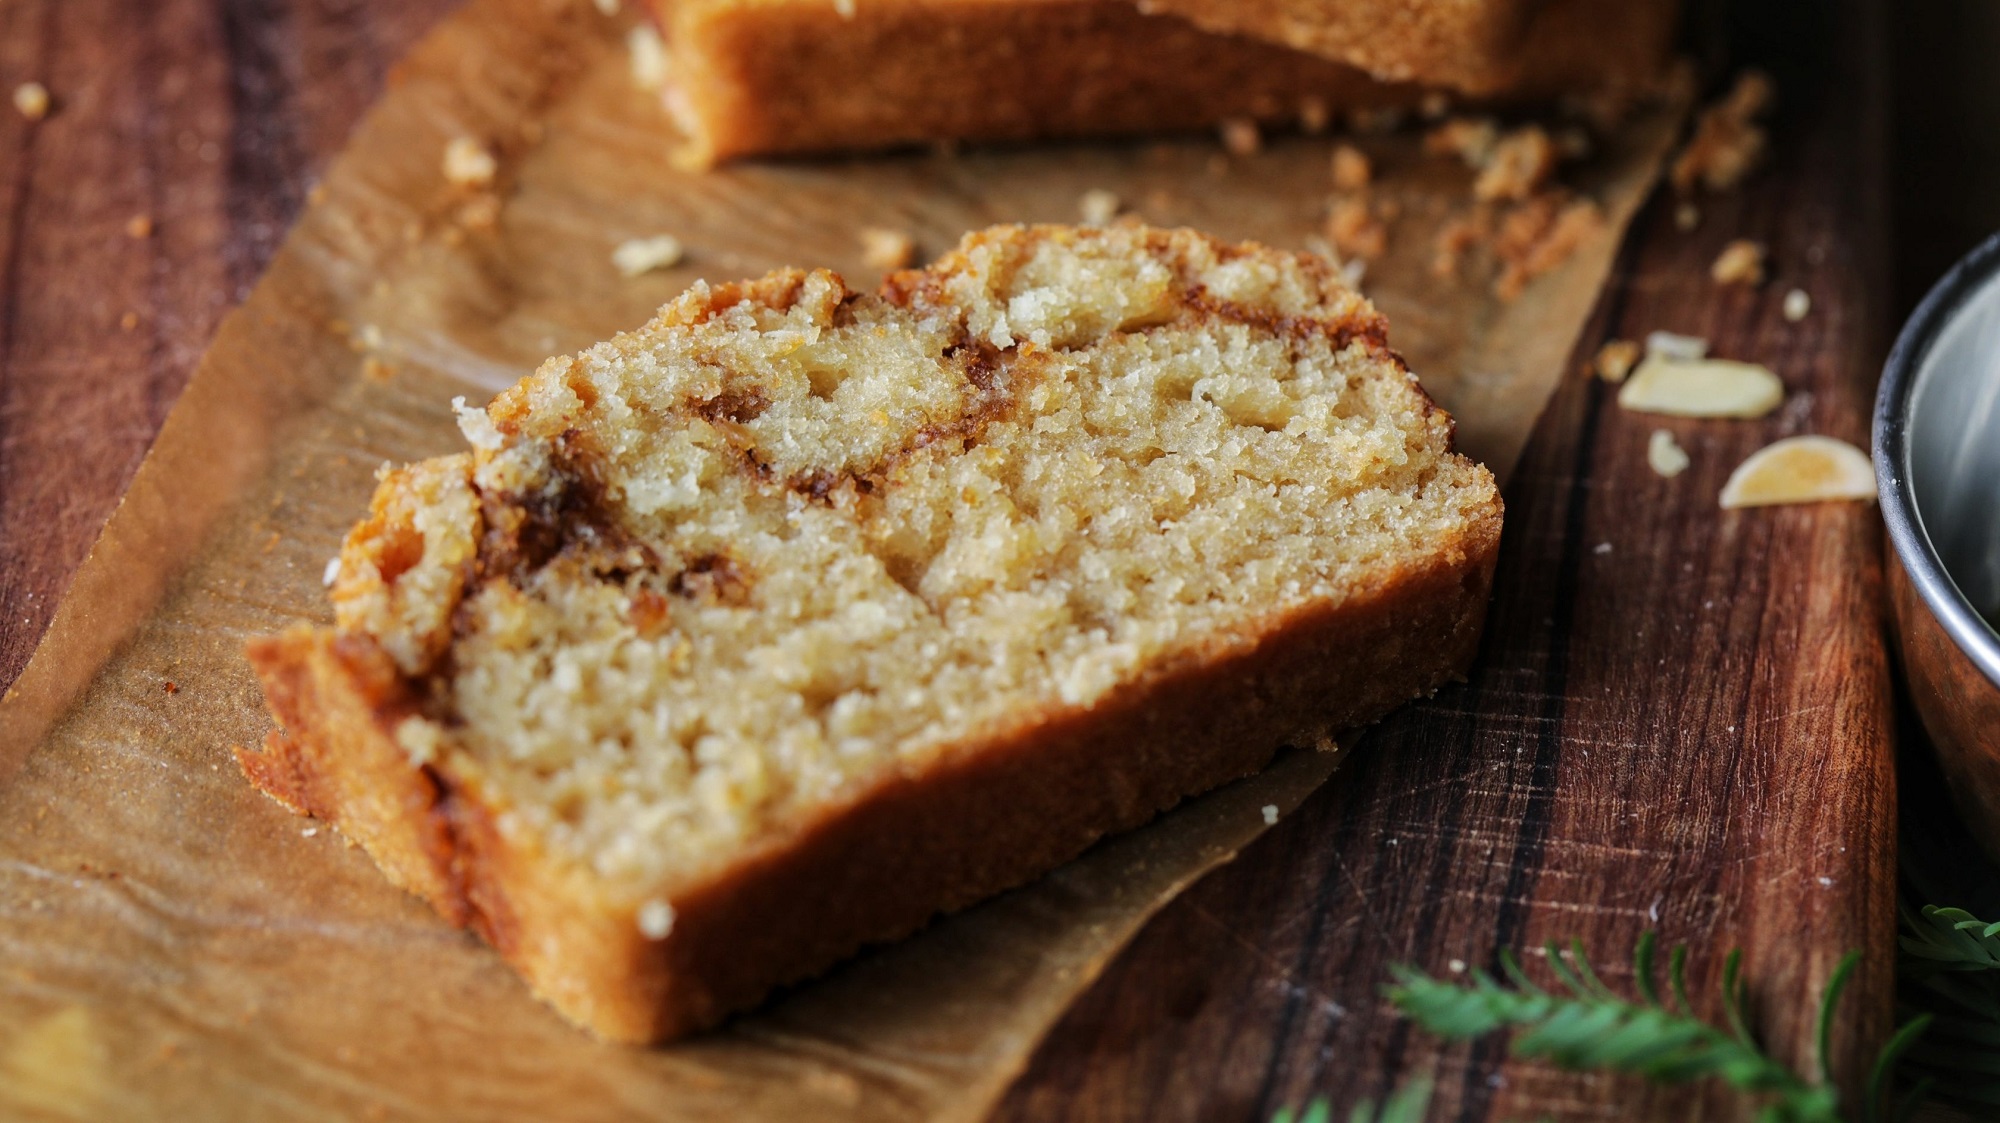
<point x="1967" y="628"/>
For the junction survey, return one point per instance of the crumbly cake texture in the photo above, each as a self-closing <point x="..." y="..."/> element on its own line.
<point x="776" y="77"/>
<point x="1481" y="47"/>
<point x="797" y="616"/>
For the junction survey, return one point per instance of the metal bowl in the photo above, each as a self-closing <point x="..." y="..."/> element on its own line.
<point x="1937" y="461"/>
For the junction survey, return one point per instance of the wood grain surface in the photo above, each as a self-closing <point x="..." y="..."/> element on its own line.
<point x="1680" y="720"/>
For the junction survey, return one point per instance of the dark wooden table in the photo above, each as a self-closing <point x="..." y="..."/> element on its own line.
<point x="211" y="118"/>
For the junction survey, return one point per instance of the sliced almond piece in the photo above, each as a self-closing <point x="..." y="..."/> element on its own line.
<point x="1665" y="456"/>
<point x="1706" y="388"/>
<point x="1800" y="470"/>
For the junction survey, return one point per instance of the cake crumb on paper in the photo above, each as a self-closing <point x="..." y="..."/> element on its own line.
<point x="1520" y="164"/>
<point x="1314" y="116"/>
<point x="468" y="163"/>
<point x="1354" y="227"/>
<point x="650" y="68"/>
<point x="1240" y="137"/>
<point x="1351" y="168"/>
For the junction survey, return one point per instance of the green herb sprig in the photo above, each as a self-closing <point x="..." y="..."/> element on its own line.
<point x="1405" y="1105"/>
<point x="1584" y="1025"/>
<point x="1950" y="967"/>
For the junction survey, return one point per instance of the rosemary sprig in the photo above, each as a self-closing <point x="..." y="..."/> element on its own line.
<point x="1405" y="1105"/>
<point x="1948" y="967"/>
<point x="1584" y="1025"/>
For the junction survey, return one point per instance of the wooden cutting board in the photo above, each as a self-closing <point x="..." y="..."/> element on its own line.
<point x="1687" y="730"/>
<point x="1681" y="720"/>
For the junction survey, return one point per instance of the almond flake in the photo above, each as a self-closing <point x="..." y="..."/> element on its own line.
<point x="1665" y="456"/>
<point x="1670" y="345"/>
<point x="643" y="255"/>
<point x="1800" y="470"/>
<point x="1704" y="388"/>
<point x="1798" y="305"/>
<point x="1351" y="169"/>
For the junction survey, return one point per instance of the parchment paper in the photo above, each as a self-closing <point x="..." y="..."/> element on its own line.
<point x="173" y="945"/>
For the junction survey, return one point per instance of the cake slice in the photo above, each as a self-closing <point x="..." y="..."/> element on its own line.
<point x="776" y="77"/>
<point x="798" y="616"/>
<point x="755" y="77"/>
<point x="1482" y="47"/>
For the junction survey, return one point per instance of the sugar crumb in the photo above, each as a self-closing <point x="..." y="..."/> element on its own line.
<point x="1798" y="305"/>
<point x="883" y="248"/>
<point x="1270" y="814"/>
<point x="477" y="426"/>
<point x="650" y="68"/>
<point x="1098" y="206"/>
<point x="656" y="920"/>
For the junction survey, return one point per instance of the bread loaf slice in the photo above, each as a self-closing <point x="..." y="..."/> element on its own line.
<point x="777" y="77"/>
<point x="804" y="76"/>
<point x="797" y="616"/>
<point x="1482" y="47"/>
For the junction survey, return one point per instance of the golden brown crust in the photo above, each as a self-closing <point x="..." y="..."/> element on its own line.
<point x="774" y="79"/>
<point x="787" y="78"/>
<point x="983" y="818"/>
<point x="1531" y="48"/>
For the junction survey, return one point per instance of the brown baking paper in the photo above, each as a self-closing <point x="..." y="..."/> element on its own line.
<point x="174" y="945"/>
